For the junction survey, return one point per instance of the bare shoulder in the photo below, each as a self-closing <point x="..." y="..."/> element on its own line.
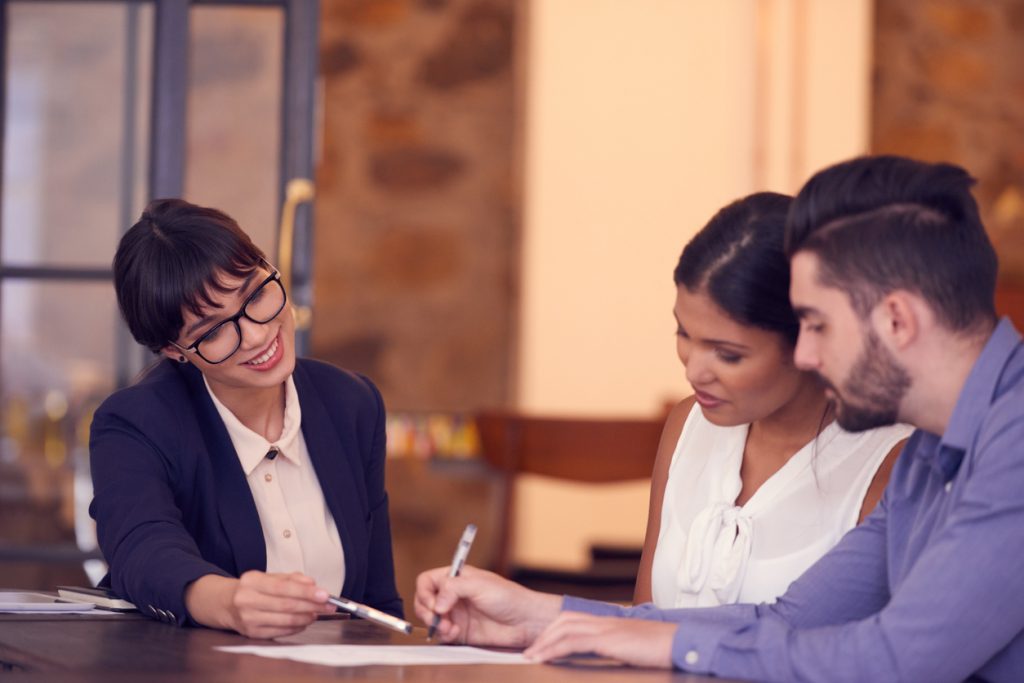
<point x="671" y="431"/>
<point x="880" y="480"/>
<point x="677" y="416"/>
<point x="659" y="479"/>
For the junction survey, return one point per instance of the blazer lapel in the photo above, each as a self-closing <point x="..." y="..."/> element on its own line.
<point x="235" y="505"/>
<point x="338" y="473"/>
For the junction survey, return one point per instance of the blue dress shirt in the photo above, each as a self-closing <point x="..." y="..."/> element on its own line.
<point x="929" y="588"/>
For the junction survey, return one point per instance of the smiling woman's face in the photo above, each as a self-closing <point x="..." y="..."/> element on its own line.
<point x="266" y="356"/>
<point x="739" y="373"/>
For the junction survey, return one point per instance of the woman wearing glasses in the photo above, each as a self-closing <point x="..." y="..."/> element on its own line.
<point x="235" y="485"/>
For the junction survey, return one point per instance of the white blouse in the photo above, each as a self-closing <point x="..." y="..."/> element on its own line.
<point x="298" y="528"/>
<point x="711" y="551"/>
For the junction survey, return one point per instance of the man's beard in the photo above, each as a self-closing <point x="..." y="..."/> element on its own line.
<point x="873" y="390"/>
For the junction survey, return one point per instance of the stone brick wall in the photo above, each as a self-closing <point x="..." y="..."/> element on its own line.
<point x="417" y="206"/>
<point x="949" y="85"/>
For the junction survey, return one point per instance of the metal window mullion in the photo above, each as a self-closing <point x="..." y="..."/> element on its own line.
<point x="297" y="115"/>
<point x="129" y="357"/>
<point x="3" y="135"/>
<point x="54" y="273"/>
<point x="170" y="97"/>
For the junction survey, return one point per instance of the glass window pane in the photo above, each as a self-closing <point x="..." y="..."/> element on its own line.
<point x="234" y="115"/>
<point x="57" y="357"/>
<point x="77" y="112"/>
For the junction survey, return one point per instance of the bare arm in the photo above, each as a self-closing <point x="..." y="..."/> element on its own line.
<point x="881" y="479"/>
<point x="666" y="447"/>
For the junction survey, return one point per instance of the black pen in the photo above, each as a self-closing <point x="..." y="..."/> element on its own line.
<point x="459" y="559"/>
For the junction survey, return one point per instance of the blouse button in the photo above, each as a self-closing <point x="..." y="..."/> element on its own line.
<point x="268" y="477"/>
<point x="287" y="533"/>
<point x="691" y="657"/>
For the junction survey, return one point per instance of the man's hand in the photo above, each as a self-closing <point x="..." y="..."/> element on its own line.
<point x="481" y="608"/>
<point x="258" y="605"/>
<point x="638" y="642"/>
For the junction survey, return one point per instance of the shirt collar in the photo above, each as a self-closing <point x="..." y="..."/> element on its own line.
<point x="980" y="388"/>
<point x="251" y="447"/>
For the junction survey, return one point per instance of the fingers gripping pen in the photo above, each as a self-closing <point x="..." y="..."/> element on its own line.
<point x="461" y="552"/>
<point x="370" y="614"/>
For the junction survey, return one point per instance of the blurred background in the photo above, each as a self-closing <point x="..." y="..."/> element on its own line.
<point x="502" y="189"/>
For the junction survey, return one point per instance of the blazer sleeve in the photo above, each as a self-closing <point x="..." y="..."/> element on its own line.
<point x="151" y="554"/>
<point x="381" y="591"/>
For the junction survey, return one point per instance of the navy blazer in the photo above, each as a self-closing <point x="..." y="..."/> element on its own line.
<point x="172" y="504"/>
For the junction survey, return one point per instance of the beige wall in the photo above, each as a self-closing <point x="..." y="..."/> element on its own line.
<point x="631" y="143"/>
<point x="643" y="118"/>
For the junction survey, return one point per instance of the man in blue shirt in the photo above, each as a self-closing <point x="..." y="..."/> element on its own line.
<point x="893" y="278"/>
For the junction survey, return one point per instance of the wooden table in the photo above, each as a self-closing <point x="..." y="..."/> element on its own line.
<point x="132" y="648"/>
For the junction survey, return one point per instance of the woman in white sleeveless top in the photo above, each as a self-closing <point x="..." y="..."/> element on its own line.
<point x="754" y="481"/>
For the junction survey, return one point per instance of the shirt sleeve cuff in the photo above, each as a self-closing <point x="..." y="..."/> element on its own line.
<point x="595" y="607"/>
<point x="695" y="645"/>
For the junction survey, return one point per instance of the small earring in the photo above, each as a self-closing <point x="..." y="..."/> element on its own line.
<point x="181" y="359"/>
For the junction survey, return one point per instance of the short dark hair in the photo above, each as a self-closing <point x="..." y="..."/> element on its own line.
<point x="882" y="223"/>
<point x="171" y="259"/>
<point x="739" y="260"/>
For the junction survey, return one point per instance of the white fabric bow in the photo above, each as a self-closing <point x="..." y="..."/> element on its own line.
<point x="715" y="561"/>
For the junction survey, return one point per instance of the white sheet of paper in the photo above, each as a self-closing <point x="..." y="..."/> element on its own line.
<point x="387" y="655"/>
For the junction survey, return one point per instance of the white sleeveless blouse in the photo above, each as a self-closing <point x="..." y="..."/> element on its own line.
<point x="711" y="551"/>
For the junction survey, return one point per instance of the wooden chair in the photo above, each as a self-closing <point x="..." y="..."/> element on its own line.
<point x="577" y="450"/>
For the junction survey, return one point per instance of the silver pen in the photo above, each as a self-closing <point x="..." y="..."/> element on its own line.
<point x="370" y="614"/>
<point x="461" y="553"/>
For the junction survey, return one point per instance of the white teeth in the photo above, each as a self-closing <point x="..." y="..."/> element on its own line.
<point x="265" y="357"/>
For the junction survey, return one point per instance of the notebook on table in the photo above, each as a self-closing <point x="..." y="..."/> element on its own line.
<point x="100" y="597"/>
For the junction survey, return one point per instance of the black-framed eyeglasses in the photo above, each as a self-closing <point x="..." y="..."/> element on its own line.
<point x="222" y="340"/>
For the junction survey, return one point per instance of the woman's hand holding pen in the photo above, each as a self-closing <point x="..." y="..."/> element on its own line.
<point x="257" y="605"/>
<point x="481" y="608"/>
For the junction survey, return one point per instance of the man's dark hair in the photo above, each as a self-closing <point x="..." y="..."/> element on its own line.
<point x="878" y="224"/>
<point x="171" y="259"/>
<point x="738" y="259"/>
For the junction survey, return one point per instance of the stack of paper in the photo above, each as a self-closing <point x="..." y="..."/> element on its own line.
<point x="25" y="602"/>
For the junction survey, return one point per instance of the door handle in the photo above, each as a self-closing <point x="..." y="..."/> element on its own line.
<point x="296" y="191"/>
